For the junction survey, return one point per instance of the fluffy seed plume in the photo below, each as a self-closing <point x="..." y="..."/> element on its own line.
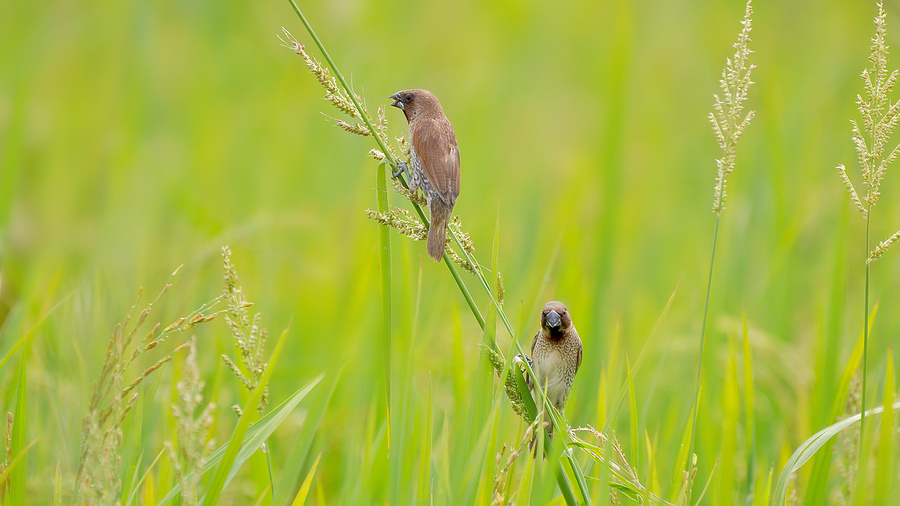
<point x="727" y="119"/>
<point x="193" y="446"/>
<point x="871" y="134"/>
<point x="97" y="478"/>
<point x="882" y="247"/>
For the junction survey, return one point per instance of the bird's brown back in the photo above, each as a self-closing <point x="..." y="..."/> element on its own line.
<point x="434" y="141"/>
<point x="438" y="153"/>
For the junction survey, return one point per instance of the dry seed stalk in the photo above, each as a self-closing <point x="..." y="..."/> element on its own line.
<point x="97" y="477"/>
<point x="193" y="445"/>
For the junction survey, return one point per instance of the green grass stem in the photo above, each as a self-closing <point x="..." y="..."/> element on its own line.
<point x="703" y="325"/>
<point x="293" y="468"/>
<point x="454" y="272"/>
<point x="865" y="357"/>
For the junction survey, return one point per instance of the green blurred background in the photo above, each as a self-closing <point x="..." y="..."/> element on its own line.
<point x="137" y="136"/>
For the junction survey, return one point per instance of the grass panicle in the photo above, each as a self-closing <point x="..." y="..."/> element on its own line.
<point x="879" y="117"/>
<point x="510" y="385"/>
<point x="882" y="247"/>
<point x="727" y="119"/>
<point x="846" y="456"/>
<point x="505" y="464"/>
<point x="871" y="137"/>
<point x="400" y="220"/>
<point x="249" y="337"/>
<point x="728" y="123"/>
<point x="97" y="476"/>
<point x="193" y="446"/>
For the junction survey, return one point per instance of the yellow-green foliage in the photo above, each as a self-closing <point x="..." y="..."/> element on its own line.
<point x="135" y="137"/>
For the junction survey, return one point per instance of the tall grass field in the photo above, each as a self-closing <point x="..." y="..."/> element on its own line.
<point x="212" y="291"/>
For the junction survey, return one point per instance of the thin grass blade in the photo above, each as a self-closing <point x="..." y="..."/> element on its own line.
<point x="257" y="433"/>
<point x="16" y="463"/>
<point x="749" y="410"/>
<point x="147" y="478"/>
<point x="884" y="469"/>
<point x="815" y="491"/>
<point x="813" y="445"/>
<point x="679" y="481"/>
<point x="307" y="483"/>
<point x="20" y="423"/>
<point x="632" y="413"/>
<point x="293" y="467"/>
<point x="426" y="495"/>
<point x="224" y="470"/>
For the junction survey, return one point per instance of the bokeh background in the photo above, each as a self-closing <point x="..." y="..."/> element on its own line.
<point x="137" y="136"/>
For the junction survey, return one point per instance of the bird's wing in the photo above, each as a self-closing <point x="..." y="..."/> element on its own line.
<point x="438" y="153"/>
<point x="528" y="376"/>
<point x="578" y="363"/>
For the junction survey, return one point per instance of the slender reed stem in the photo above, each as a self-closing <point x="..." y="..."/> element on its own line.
<point x="728" y="123"/>
<point x="269" y="465"/>
<point x="865" y="363"/>
<point x="465" y="290"/>
<point x="712" y="261"/>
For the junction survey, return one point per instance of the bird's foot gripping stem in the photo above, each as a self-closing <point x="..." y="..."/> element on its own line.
<point x="403" y="168"/>
<point x="520" y="360"/>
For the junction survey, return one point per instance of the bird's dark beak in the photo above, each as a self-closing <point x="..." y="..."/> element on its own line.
<point x="397" y="103"/>
<point x="553" y="320"/>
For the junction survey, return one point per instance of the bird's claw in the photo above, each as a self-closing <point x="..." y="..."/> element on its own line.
<point x="403" y="168"/>
<point x="523" y="358"/>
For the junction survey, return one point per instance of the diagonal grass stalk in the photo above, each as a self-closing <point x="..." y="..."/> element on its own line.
<point x="384" y="281"/>
<point x="555" y="418"/>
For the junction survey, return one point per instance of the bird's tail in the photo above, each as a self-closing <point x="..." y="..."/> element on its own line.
<point x="437" y="234"/>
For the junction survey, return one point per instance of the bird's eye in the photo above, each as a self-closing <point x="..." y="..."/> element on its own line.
<point x="408" y="97"/>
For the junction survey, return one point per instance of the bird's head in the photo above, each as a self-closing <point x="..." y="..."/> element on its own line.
<point x="555" y="319"/>
<point x="415" y="103"/>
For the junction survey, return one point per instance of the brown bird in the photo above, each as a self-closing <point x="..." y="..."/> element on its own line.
<point x="435" y="160"/>
<point x="555" y="354"/>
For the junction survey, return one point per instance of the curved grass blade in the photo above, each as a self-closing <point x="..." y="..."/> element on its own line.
<point x="146" y="477"/>
<point x="14" y="463"/>
<point x="822" y="463"/>
<point x="304" y="488"/>
<point x="255" y="435"/>
<point x="291" y="471"/>
<point x="226" y="468"/>
<point x="809" y="448"/>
